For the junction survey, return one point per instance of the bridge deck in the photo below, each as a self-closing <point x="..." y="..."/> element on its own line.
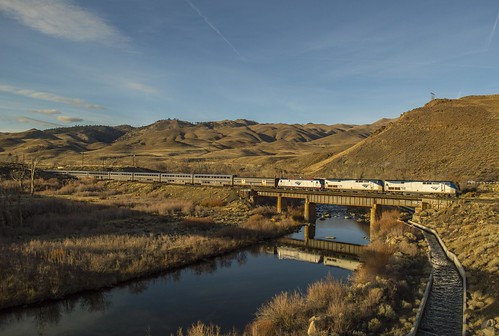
<point x="364" y="200"/>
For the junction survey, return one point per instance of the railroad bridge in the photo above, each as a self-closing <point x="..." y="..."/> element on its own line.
<point x="374" y="201"/>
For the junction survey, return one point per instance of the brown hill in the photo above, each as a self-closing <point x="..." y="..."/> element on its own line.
<point x="58" y="141"/>
<point x="445" y="139"/>
<point x="226" y="145"/>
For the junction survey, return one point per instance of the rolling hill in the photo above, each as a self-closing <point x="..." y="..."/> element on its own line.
<point x="228" y="145"/>
<point x="446" y="139"/>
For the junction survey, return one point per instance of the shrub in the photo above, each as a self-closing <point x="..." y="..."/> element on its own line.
<point x="266" y="211"/>
<point x="196" y="223"/>
<point x="165" y="206"/>
<point x="325" y="292"/>
<point x="387" y="225"/>
<point x="212" y="203"/>
<point x="285" y="311"/>
<point x="201" y="329"/>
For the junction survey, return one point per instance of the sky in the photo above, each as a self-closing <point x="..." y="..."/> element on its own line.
<point x="115" y="62"/>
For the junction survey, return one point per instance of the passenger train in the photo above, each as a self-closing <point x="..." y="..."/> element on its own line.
<point x="445" y="188"/>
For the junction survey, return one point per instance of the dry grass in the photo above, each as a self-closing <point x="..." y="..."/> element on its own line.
<point x="285" y="312"/>
<point x="266" y="211"/>
<point x="166" y="207"/>
<point x="387" y="225"/>
<point x="453" y="129"/>
<point x="52" y="247"/>
<point x="202" y="329"/>
<point x="211" y="203"/>
<point x="201" y="224"/>
<point x="375" y="301"/>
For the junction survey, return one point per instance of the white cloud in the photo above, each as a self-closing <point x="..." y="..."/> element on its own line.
<point x="49" y="96"/>
<point x="137" y="86"/>
<point x="46" y="111"/>
<point x="27" y="120"/>
<point x="67" y="119"/>
<point x="61" y="18"/>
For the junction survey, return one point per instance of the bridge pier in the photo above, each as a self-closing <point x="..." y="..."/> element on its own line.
<point x="309" y="232"/>
<point x="309" y="211"/>
<point x="376" y="211"/>
<point x="279" y="204"/>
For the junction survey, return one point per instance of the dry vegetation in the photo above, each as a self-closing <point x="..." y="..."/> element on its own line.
<point x="79" y="235"/>
<point x="470" y="229"/>
<point x="239" y="147"/>
<point x="444" y="140"/>
<point x="381" y="298"/>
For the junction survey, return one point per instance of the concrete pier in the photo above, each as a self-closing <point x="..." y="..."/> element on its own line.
<point x="309" y="211"/>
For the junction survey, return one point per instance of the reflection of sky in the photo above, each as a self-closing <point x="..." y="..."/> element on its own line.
<point x="344" y="230"/>
<point x="229" y="295"/>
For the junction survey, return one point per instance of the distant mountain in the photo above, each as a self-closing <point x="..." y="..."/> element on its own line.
<point x="161" y="144"/>
<point x="59" y="141"/>
<point x="445" y="139"/>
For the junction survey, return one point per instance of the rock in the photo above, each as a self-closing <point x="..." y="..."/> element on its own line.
<point x="489" y="331"/>
<point x="489" y="323"/>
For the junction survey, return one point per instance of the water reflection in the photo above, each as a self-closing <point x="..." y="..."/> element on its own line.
<point x="41" y="318"/>
<point x="226" y="291"/>
<point x="337" y="223"/>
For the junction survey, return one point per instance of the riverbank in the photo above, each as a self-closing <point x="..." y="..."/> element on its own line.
<point x="469" y="229"/>
<point x="82" y="235"/>
<point x="381" y="298"/>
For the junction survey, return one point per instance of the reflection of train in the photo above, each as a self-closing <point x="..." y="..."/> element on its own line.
<point x="340" y="185"/>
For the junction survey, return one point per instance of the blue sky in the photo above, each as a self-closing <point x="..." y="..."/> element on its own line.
<point x="113" y="62"/>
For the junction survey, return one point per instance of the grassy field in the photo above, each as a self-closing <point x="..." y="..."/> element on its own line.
<point x="78" y="235"/>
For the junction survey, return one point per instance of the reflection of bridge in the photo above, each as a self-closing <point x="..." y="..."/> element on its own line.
<point x="324" y="245"/>
<point x="336" y="254"/>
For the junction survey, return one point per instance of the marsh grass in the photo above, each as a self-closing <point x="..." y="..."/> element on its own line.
<point x="54" y="246"/>
<point x="374" y="300"/>
<point x="202" y="329"/>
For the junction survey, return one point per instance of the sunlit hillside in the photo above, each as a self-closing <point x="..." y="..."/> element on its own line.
<point x="445" y="139"/>
<point x="239" y="146"/>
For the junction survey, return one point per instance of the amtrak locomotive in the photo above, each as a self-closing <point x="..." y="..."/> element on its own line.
<point x="446" y="188"/>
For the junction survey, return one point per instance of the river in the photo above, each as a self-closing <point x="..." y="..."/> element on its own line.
<point x="226" y="291"/>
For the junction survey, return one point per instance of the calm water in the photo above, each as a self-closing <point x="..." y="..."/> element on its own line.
<point x="345" y="230"/>
<point x="226" y="291"/>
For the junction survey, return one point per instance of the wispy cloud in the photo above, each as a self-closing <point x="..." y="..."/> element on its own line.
<point x="68" y="119"/>
<point x="137" y="86"/>
<point x="61" y="18"/>
<point x="493" y="31"/>
<point x="215" y="29"/>
<point x="46" y="111"/>
<point x="49" y="96"/>
<point x="33" y="121"/>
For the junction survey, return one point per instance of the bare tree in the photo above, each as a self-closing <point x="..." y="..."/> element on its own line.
<point x="33" y="165"/>
<point x="18" y="175"/>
